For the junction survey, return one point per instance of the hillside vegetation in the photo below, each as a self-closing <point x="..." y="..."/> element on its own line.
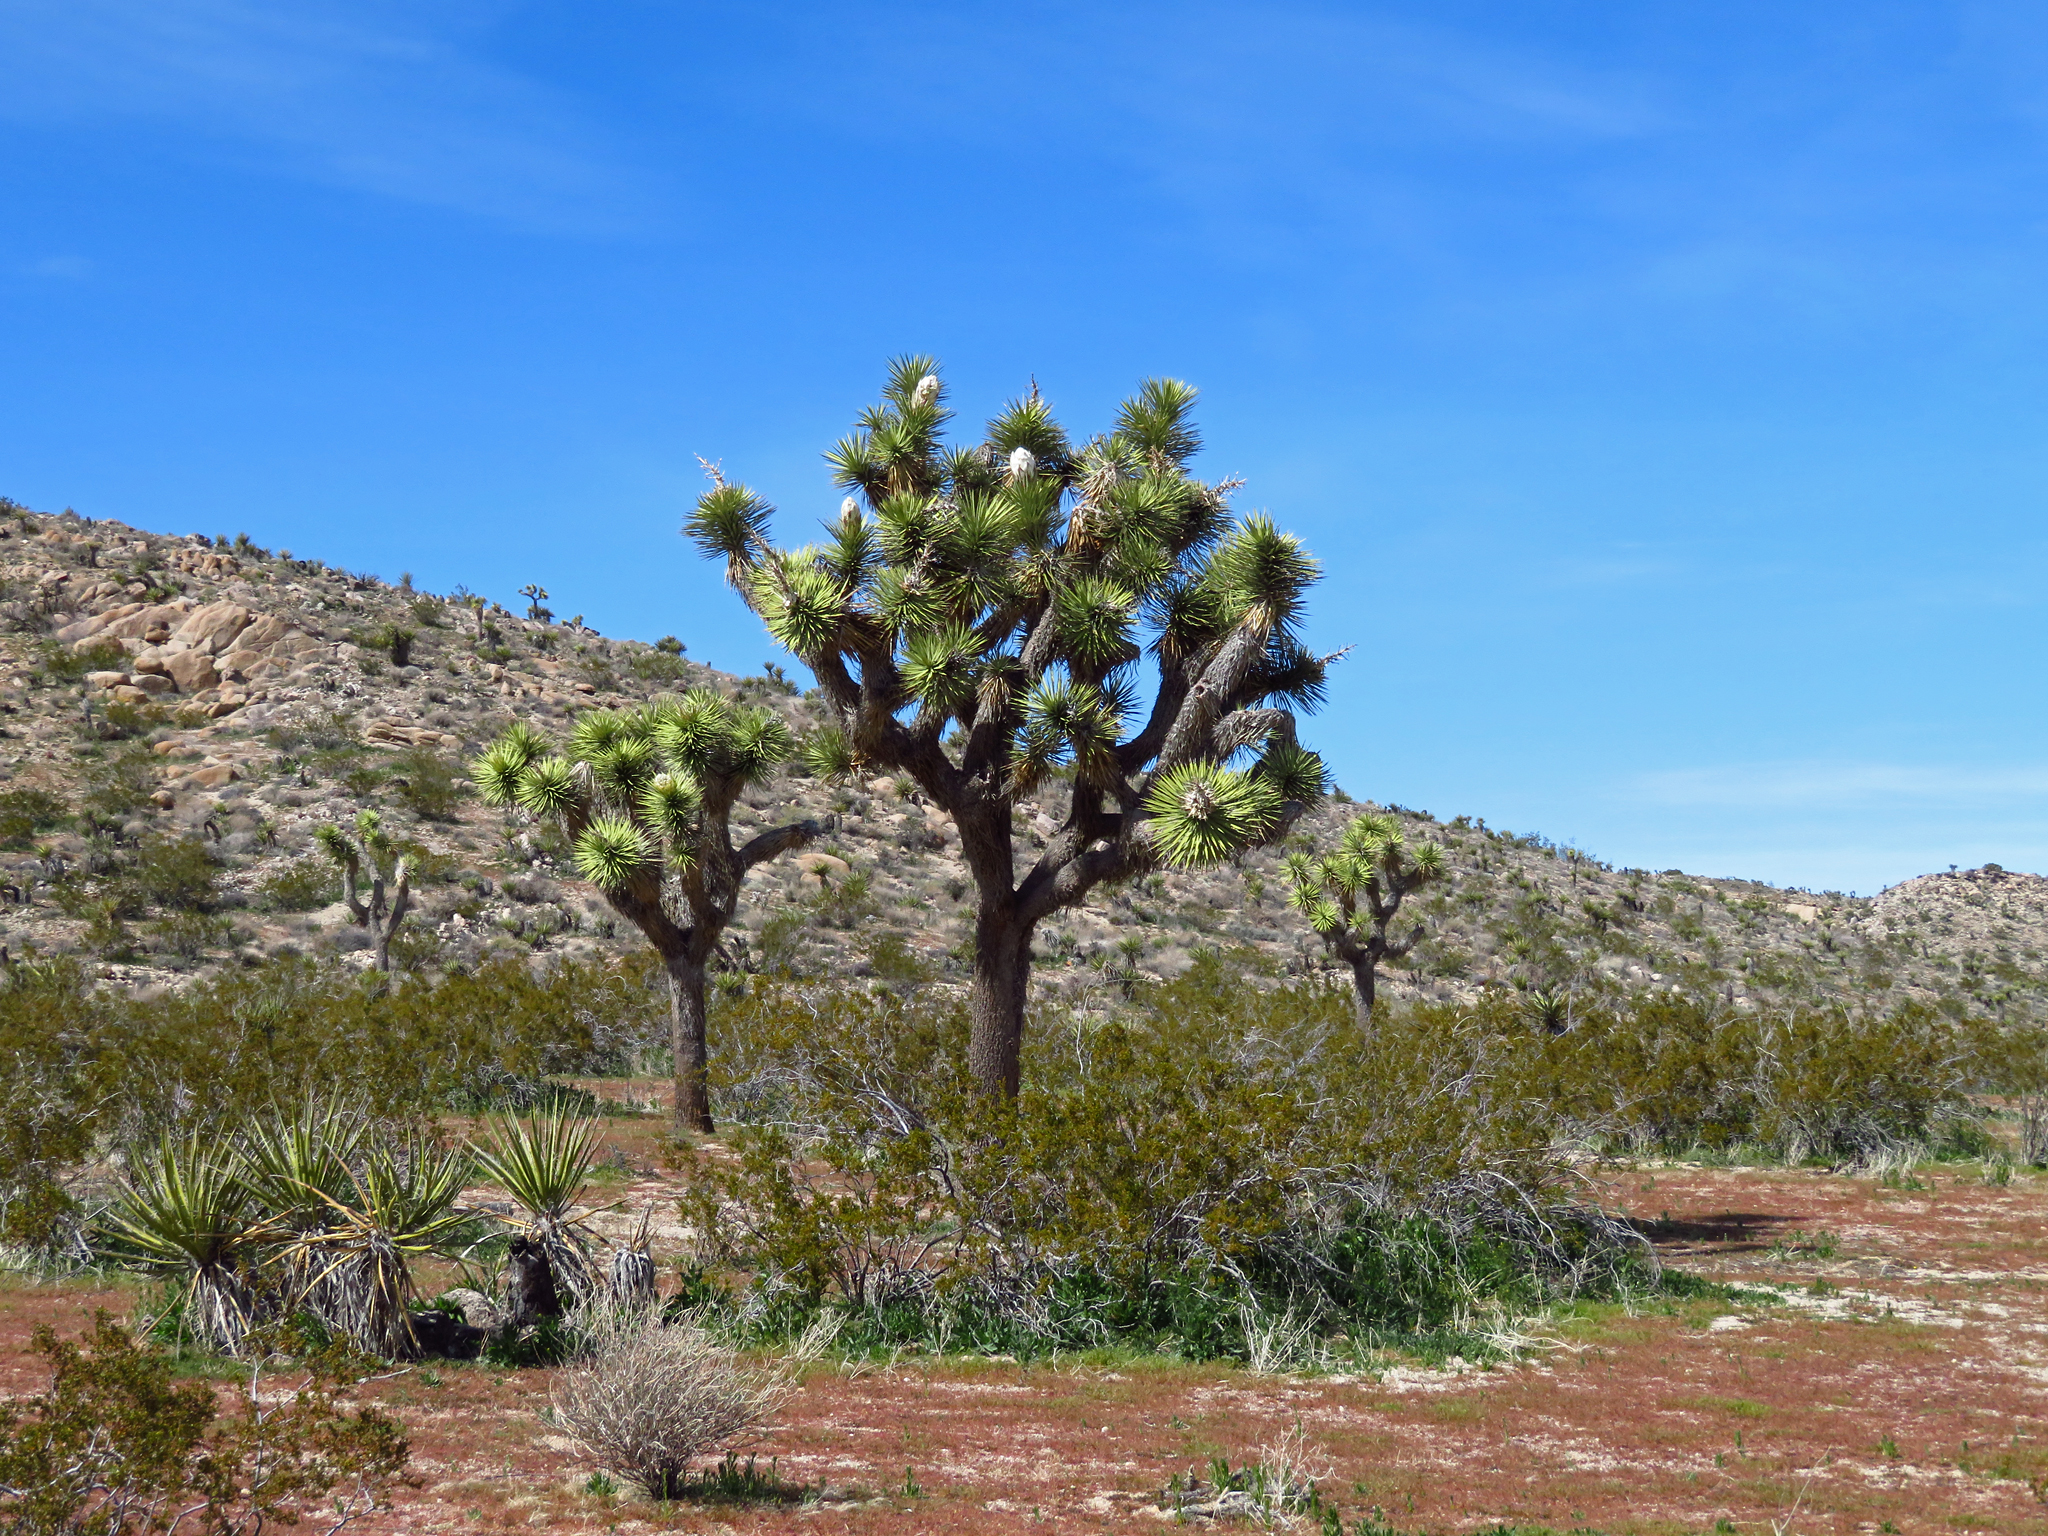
<point x="182" y="715"/>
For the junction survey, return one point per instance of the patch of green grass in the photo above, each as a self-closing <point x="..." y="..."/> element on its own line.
<point x="1740" y="1407"/>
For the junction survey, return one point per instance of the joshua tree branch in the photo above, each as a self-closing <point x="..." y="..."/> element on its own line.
<point x="779" y="840"/>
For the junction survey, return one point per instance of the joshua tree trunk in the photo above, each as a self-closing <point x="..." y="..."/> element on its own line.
<point x="1363" y="953"/>
<point x="374" y="916"/>
<point x="1365" y="980"/>
<point x="688" y="1040"/>
<point x="710" y="893"/>
<point x="1002" y="979"/>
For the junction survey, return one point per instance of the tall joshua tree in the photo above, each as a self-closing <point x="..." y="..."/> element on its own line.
<point x="390" y="895"/>
<point x="645" y="798"/>
<point x="977" y="618"/>
<point x="1352" y="894"/>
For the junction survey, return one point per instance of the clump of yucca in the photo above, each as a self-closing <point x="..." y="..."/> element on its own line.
<point x="400" y="1206"/>
<point x="544" y="1164"/>
<point x="184" y="1216"/>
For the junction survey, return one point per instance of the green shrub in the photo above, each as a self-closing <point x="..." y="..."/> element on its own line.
<point x="305" y="885"/>
<point x="25" y="812"/>
<point x="117" y="1444"/>
<point x="188" y="936"/>
<point x="1680" y="1072"/>
<point x="659" y="666"/>
<point x="67" y="665"/>
<point x="118" y="786"/>
<point x="428" y="784"/>
<point x="1177" y="1177"/>
<point x="176" y="873"/>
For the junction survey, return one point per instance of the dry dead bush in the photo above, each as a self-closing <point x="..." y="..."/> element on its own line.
<point x="649" y="1398"/>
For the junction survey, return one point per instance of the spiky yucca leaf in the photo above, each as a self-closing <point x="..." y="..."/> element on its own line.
<point x="757" y="742"/>
<point x="497" y="774"/>
<point x="802" y="605"/>
<point x="596" y="732"/>
<point x="730" y="522"/>
<point x="183" y="1216"/>
<point x="1324" y="915"/>
<point x="400" y="1206"/>
<point x="550" y="788"/>
<point x="543" y="1163"/>
<point x="611" y="851"/>
<point x="938" y="667"/>
<point x="624" y="768"/>
<point x="692" y="730"/>
<point x="1294" y="771"/>
<point x="908" y="603"/>
<point x="1094" y="618"/>
<point x="295" y="1167"/>
<point x="827" y="754"/>
<point x="528" y="741"/>
<point x="1066" y="721"/>
<point x="670" y="804"/>
<point x="1199" y="813"/>
<point x="292" y="1164"/>
<point x="1156" y="421"/>
<point x="1261" y="573"/>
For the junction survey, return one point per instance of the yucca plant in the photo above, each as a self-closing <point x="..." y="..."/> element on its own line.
<point x="296" y="1168"/>
<point x="1352" y="895"/>
<point x="543" y="1164"/>
<point x="400" y="1206"/>
<point x="183" y="1215"/>
<point x="978" y="618"/>
<point x="645" y="797"/>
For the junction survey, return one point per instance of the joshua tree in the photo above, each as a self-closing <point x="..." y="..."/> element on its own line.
<point x="979" y="626"/>
<point x="645" y="798"/>
<point x="1371" y="865"/>
<point x="535" y="595"/>
<point x="370" y="846"/>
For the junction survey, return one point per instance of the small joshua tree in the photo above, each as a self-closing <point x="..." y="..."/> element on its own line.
<point x="981" y="627"/>
<point x="645" y="798"/>
<point x="1352" y="895"/>
<point x="390" y="881"/>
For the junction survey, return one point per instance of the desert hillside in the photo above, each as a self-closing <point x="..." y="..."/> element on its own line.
<point x="159" y="689"/>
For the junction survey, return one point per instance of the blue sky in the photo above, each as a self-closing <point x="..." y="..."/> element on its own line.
<point x="1662" y="386"/>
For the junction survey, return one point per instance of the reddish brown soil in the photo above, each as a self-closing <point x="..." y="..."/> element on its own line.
<point x="1925" y="1335"/>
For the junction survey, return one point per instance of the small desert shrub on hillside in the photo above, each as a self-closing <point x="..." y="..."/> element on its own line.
<point x="25" y="812"/>
<point x="303" y="886"/>
<point x="432" y="787"/>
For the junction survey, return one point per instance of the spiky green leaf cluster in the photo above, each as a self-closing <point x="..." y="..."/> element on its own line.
<point x="630" y="785"/>
<point x="1200" y="813"/>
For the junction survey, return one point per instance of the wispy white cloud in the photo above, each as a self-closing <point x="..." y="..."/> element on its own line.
<point x="394" y="101"/>
<point x="1841" y="786"/>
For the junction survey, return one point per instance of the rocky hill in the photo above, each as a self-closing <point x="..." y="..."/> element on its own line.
<point x="161" y="695"/>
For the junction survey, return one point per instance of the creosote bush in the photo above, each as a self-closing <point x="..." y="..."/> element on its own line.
<point x="1212" y="1169"/>
<point x="1171" y="1177"/>
<point x="116" y="1445"/>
